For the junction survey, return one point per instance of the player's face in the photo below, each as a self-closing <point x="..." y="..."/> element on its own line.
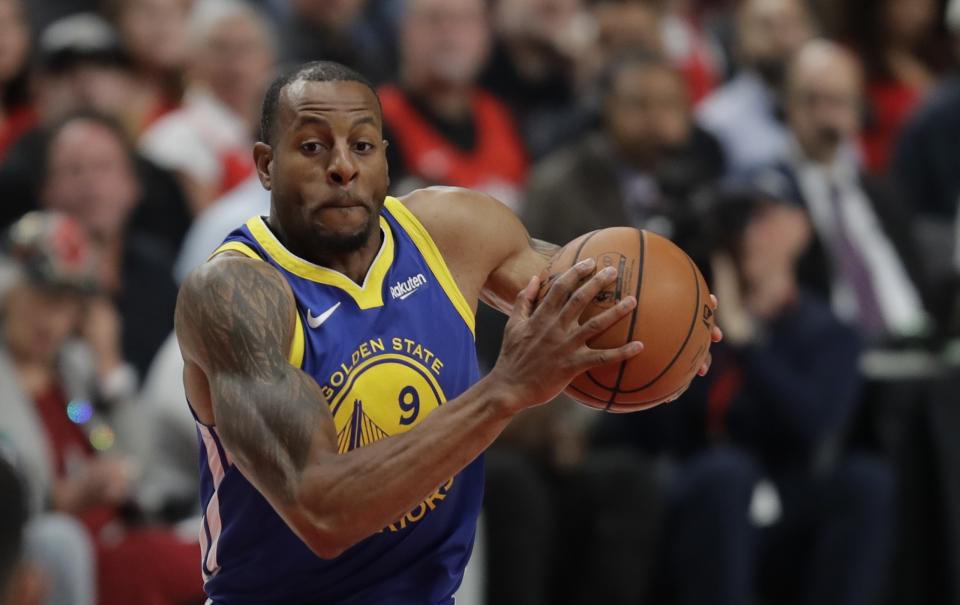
<point x="327" y="168"/>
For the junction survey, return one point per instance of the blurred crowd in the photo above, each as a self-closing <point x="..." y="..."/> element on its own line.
<point x="806" y="153"/>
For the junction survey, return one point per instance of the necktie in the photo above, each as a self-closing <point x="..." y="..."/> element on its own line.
<point x="852" y="266"/>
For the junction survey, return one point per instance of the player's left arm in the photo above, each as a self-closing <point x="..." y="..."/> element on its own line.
<point x="483" y="242"/>
<point x="489" y="251"/>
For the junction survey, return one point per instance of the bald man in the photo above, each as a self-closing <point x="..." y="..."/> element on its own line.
<point x="864" y="259"/>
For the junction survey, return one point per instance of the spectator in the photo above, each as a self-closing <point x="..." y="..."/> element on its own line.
<point x="337" y="30"/>
<point x="49" y="415"/>
<point x="90" y="175"/>
<point x="923" y="160"/>
<point x="745" y="114"/>
<point x="904" y="50"/>
<point x="17" y="114"/>
<point x="207" y="142"/>
<point x="444" y="129"/>
<point x="670" y="28"/>
<point x="19" y="585"/>
<point x="763" y="506"/>
<point x="643" y="168"/>
<point x="154" y="35"/>
<point x="537" y="67"/>
<point x="864" y="259"/>
<point x="82" y="67"/>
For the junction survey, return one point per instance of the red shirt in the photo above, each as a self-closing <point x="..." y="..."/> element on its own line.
<point x="892" y="103"/>
<point x="497" y="156"/>
<point x="70" y="448"/>
<point x="20" y="120"/>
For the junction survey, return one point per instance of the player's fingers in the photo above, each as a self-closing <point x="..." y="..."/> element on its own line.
<point x="598" y="323"/>
<point x="716" y="334"/>
<point x="562" y="287"/>
<point x="677" y="395"/>
<point x="523" y="305"/>
<point x="713" y="302"/>
<point x="585" y="294"/>
<point x="705" y="367"/>
<point x="591" y="358"/>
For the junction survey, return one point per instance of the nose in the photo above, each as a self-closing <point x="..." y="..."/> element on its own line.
<point x="342" y="170"/>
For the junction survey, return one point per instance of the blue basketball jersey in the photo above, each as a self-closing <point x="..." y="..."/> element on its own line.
<point x="386" y="354"/>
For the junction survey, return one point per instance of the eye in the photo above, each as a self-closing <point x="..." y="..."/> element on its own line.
<point x="363" y="146"/>
<point x="311" y="147"/>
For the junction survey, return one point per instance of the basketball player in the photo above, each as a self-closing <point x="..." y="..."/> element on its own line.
<point x="329" y="361"/>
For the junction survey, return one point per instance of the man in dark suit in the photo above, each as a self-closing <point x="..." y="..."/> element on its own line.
<point x="642" y="168"/>
<point x="864" y="257"/>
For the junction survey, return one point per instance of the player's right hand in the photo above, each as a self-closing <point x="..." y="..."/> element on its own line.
<point x="545" y="347"/>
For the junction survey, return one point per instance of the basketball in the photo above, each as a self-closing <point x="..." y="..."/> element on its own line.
<point x="672" y="318"/>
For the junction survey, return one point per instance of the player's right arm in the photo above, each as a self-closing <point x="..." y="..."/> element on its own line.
<point x="234" y="322"/>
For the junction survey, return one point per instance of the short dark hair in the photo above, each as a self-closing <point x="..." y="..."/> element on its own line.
<point x="315" y="71"/>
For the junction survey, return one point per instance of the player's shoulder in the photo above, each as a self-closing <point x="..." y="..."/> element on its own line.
<point x="462" y="216"/>
<point x="441" y="208"/>
<point x="231" y="296"/>
<point x="473" y="231"/>
<point x="230" y="276"/>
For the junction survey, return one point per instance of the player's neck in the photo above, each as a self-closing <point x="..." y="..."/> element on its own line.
<point x="355" y="264"/>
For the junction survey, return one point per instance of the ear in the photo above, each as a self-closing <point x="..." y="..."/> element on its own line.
<point x="263" y="158"/>
<point x="386" y="161"/>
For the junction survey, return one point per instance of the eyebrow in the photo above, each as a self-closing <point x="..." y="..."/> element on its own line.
<point x="306" y="119"/>
<point x="363" y="120"/>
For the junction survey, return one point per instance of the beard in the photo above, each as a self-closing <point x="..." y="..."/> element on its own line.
<point x="340" y="243"/>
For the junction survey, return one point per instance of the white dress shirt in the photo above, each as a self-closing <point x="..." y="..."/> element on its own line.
<point x="898" y="299"/>
<point x="742" y="115"/>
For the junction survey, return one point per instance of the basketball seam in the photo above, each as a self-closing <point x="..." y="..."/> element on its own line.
<point x="582" y="244"/>
<point x="597" y="382"/>
<point x="585" y="394"/>
<point x="633" y="318"/>
<point x="693" y="323"/>
<point x="655" y="399"/>
<point x="576" y="257"/>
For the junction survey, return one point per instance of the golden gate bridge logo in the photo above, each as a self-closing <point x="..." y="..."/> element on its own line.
<point x="385" y="395"/>
<point x="360" y="431"/>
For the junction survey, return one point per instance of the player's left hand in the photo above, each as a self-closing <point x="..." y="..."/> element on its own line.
<point x="716" y="335"/>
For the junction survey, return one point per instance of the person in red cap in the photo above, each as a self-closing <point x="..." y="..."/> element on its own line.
<point x="54" y="413"/>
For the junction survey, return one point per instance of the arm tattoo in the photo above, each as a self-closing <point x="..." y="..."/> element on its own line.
<point x="235" y="317"/>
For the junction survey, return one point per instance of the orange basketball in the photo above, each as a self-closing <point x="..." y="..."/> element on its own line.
<point x="672" y="318"/>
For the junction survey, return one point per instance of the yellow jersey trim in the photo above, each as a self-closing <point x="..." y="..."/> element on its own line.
<point x="367" y="296"/>
<point x="240" y="247"/>
<point x="297" y="344"/>
<point x="428" y="249"/>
